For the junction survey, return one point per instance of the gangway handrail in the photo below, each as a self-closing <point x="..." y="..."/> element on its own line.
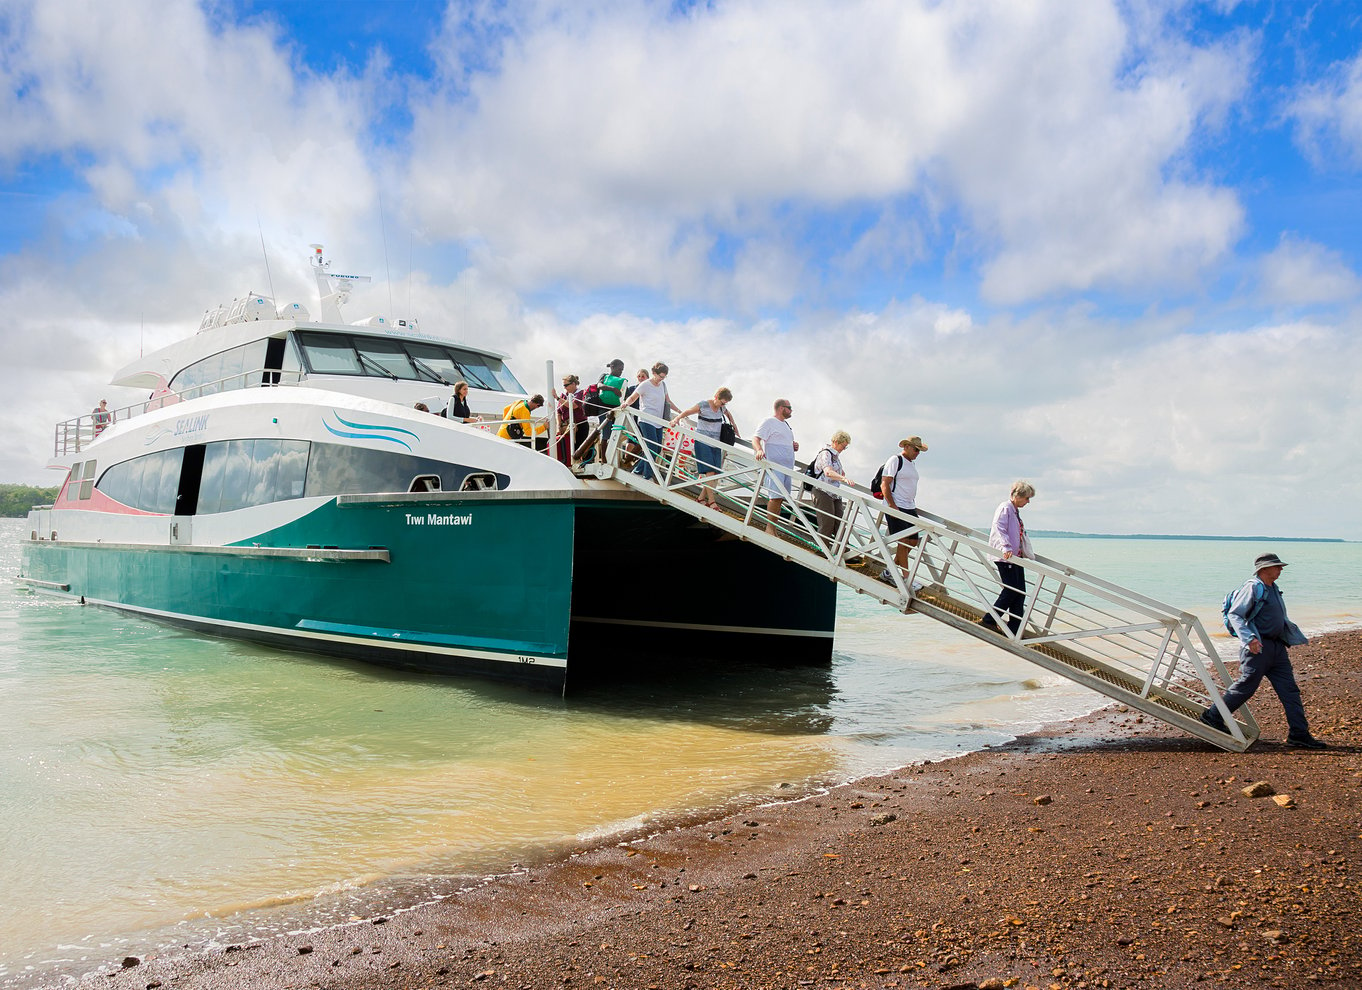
<point x="1144" y="652"/>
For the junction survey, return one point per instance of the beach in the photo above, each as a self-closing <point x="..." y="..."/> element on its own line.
<point x="1106" y="852"/>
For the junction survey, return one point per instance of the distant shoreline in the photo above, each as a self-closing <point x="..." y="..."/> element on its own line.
<point x="1066" y="535"/>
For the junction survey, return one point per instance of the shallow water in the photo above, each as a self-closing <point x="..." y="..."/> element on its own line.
<point x="161" y="787"/>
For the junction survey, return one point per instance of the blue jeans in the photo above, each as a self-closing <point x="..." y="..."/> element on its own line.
<point x="652" y="441"/>
<point x="1274" y="664"/>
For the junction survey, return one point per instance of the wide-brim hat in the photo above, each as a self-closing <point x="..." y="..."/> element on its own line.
<point x="913" y="442"/>
<point x="1267" y="560"/>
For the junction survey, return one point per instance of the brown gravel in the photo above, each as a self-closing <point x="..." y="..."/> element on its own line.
<point x="1112" y="852"/>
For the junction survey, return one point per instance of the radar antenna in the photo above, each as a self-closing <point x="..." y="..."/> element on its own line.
<point x="333" y="289"/>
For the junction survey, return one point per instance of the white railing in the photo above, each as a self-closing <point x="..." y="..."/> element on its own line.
<point x="1126" y="644"/>
<point x="74" y="435"/>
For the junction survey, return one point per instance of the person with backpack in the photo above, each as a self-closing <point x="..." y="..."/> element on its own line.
<point x="827" y="467"/>
<point x="516" y="423"/>
<point x="609" y="392"/>
<point x="1008" y="535"/>
<point x="1256" y="615"/>
<point x="897" y="485"/>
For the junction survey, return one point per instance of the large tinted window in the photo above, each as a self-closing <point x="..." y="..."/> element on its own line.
<point x="335" y="469"/>
<point x="384" y="356"/>
<point x="149" y="482"/>
<point x="340" y="354"/>
<point x="330" y="354"/>
<point x="236" y="368"/>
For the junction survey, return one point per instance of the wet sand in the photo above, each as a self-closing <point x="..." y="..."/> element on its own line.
<point x="1108" y="852"/>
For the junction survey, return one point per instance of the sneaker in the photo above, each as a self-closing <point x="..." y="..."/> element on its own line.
<point x="1306" y="742"/>
<point x="886" y="576"/>
<point x="1212" y="718"/>
<point x="918" y="586"/>
<point x="990" y="623"/>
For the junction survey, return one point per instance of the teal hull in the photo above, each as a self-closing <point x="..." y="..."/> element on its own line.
<point x="497" y="585"/>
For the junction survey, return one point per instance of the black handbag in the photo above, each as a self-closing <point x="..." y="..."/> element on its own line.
<point x="728" y="433"/>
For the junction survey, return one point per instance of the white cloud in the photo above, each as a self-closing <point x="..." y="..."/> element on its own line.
<point x="1328" y="115"/>
<point x="1301" y="272"/>
<point x="607" y="146"/>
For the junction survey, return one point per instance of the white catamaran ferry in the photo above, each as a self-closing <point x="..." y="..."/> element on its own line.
<point x="278" y="485"/>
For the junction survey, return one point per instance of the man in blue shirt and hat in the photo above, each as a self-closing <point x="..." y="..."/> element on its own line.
<point x="1257" y="615"/>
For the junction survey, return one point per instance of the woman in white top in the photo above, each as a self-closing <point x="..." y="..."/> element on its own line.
<point x="774" y="441"/>
<point x="651" y="397"/>
<point x="709" y="458"/>
<point x="827" y="468"/>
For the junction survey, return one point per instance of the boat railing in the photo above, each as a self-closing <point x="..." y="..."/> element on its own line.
<point x="1152" y="655"/>
<point x="73" y="435"/>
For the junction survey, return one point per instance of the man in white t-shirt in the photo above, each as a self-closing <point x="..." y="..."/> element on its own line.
<point x="898" y="485"/>
<point x="774" y="441"/>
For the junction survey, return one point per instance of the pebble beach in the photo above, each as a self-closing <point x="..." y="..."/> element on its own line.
<point x="1106" y="852"/>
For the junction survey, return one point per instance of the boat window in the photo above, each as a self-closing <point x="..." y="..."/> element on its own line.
<point x="87" y="486"/>
<point x="335" y="469"/>
<point x="426" y="483"/>
<point x="479" y="481"/>
<point x="388" y="355"/>
<point x="330" y="354"/>
<point x="234" y="368"/>
<point x="235" y="474"/>
<point x="150" y="482"/>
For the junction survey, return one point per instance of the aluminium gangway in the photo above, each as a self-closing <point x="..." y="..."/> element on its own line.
<point x="1143" y="653"/>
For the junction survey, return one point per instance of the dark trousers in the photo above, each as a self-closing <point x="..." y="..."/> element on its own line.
<point x="1011" y="601"/>
<point x="1274" y="664"/>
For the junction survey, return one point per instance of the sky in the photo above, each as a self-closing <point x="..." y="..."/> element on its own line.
<point x="1110" y="247"/>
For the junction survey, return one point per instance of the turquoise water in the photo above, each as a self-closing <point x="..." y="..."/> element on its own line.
<point x="159" y="787"/>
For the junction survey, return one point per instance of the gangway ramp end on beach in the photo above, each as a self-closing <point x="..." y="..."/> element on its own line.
<point x="1152" y="657"/>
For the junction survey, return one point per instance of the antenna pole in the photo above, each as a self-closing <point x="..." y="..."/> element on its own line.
<point x="268" y="277"/>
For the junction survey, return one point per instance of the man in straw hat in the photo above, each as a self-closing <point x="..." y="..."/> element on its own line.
<point x="1257" y="615"/>
<point x="898" y="485"/>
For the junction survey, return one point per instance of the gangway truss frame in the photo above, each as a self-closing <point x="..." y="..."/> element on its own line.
<point x="1146" y="654"/>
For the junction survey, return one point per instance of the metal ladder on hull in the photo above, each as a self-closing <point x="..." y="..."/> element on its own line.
<point x="1141" y="652"/>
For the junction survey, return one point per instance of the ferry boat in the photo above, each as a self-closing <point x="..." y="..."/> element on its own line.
<point x="279" y="485"/>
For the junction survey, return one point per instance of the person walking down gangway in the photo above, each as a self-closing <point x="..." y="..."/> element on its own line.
<point x="827" y="467"/>
<point x="1257" y="617"/>
<point x="1008" y="534"/>
<point x="651" y="397"/>
<point x="898" y="487"/>
<point x="709" y="457"/>
<point x="774" y="441"/>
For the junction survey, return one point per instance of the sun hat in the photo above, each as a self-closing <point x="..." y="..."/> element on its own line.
<point x="1267" y="560"/>
<point x="913" y="442"/>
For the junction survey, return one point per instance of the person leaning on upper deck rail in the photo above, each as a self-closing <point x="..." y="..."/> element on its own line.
<point x="898" y="485"/>
<point x="709" y="457"/>
<point x="774" y="441"/>
<point x="1257" y="614"/>
<point x="517" y="415"/>
<point x="1008" y="534"/>
<point x="651" y="397"/>
<point x="827" y="467"/>
<point x="101" y="416"/>
<point x="458" y="405"/>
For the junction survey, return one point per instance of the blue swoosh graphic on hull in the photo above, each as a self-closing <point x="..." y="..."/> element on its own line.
<point x="369" y="436"/>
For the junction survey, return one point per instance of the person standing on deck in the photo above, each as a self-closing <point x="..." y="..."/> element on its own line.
<point x="898" y="485"/>
<point x="774" y="441"/>
<point x="101" y="416"/>
<point x="612" y="385"/>
<point x="1257" y="614"/>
